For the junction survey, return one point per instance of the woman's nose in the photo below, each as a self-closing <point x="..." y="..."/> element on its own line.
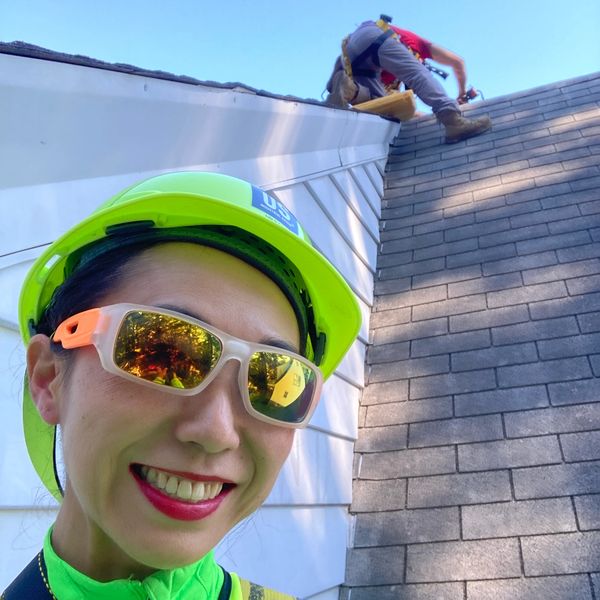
<point x="211" y="418"/>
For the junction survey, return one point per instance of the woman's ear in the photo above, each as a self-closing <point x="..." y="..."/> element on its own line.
<point x="43" y="370"/>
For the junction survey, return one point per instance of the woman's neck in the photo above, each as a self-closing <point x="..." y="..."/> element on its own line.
<point x="81" y="543"/>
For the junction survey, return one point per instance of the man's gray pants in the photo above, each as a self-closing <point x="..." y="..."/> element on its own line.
<point x="398" y="60"/>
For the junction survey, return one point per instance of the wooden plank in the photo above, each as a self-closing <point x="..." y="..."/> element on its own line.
<point x="399" y="105"/>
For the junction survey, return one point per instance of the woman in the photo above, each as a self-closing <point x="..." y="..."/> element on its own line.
<point x="174" y="337"/>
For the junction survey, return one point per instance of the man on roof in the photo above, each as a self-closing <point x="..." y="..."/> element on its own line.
<point x="379" y="54"/>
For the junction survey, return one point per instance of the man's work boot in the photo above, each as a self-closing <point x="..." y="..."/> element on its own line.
<point x="460" y="128"/>
<point x="343" y="90"/>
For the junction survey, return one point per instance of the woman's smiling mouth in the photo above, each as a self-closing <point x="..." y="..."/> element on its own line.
<point x="177" y="496"/>
<point x="179" y="487"/>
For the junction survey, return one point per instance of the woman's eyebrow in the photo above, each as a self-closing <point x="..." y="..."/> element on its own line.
<point x="278" y="343"/>
<point x="268" y="341"/>
<point x="183" y="311"/>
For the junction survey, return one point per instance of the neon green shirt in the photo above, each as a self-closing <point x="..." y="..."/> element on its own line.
<point x="201" y="580"/>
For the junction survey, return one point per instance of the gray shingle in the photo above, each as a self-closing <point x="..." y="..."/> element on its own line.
<point x="579" y="252"/>
<point x="564" y="419"/>
<point x="478" y="229"/>
<point x="375" y="566"/>
<point x="590" y="322"/>
<point x="548" y="309"/>
<point x="576" y="224"/>
<point x="407" y="527"/>
<point x="370" y="496"/>
<point x="459" y="489"/>
<point x="453" y="342"/>
<point x="505" y="454"/>
<point x="557" y="480"/>
<point x="520" y="263"/>
<point x="409" y="463"/>
<point x="569" y="346"/>
<point x="451" y="383"/>
<point x="418" y="268"/>
<point x="423" y="591"/>
<point x="511" y="519"/>
<point x="484" y="284"/>
<point x="588" y="511"/>
<point x="442" y="308"/>
<point x="381" y="439"/>
<point x="494" y="357"/>
<point x="415" y="241"/>
<point x="511" y="399"/>
<point x="405" y="369"/>
<point x="410" y="298"/>
<point x="514" y="235"/>
<point x="411" y="331"/>
<point x="556" y="241"/>
<point x="455" y="431"/>
<point x="489" y="318"/>
<point x="562" y="553"/>
<point x="445" y="224"/>
<point x="584" y="285"/>
<point x="544" y="372"/>
<point x="409" y="412"/>
<point x="457" y="561"/>
<point x="388" y="352"/>
<point x="447" y="276"/>
<point x="562" y="271"/>
<point x="391" y="286"/>
<point x="390" y="317"/>
<point x="581" y="446"/>
<point x="567" y="587"/>
<point x="534" y="330"/>
<point x="389" y="391"/>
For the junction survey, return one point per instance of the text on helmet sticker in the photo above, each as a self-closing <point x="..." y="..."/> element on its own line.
<point x="274" y="209"/>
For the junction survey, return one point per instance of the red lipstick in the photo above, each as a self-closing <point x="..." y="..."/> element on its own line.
<point x="179" y="509"/>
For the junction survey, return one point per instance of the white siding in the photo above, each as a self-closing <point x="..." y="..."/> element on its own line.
<point x="73" y="136"/>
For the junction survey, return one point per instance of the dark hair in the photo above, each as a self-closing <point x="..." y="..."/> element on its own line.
<point x="86" y="287"/>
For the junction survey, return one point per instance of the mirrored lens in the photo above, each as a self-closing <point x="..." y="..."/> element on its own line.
<point x="280" y="386"/>
<point x="165" y="350"/>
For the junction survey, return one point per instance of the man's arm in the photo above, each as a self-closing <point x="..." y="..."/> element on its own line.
<point x="445" y="57"/>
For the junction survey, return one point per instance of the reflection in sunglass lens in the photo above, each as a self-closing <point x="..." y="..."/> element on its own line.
<point x="280" y="387"/>
<point x="165" y="350"/>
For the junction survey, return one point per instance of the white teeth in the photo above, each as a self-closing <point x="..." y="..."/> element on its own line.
<point x="184" y="489"/>
<point x="197" y="491"/>
<point x="172" y="485"/>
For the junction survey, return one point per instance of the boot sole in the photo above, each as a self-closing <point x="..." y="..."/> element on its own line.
<point x="466" y="136"/>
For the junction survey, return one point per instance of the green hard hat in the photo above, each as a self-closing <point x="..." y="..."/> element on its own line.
<point x="180" y="200"/>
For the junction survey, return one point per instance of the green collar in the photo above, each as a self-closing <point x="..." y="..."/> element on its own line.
<point x="201" y="580"/>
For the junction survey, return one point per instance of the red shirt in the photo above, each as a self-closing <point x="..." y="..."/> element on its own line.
<point x="413" y="42"/>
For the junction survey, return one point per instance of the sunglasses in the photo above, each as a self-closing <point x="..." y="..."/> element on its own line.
<point x="164" y="349"/>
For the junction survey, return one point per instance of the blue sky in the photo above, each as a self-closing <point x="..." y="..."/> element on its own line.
<point x="288" y="47"/>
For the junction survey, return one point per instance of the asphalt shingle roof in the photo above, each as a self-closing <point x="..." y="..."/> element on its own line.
<point x="478" y="458"/>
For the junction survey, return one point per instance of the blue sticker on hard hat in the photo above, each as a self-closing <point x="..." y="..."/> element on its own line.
<point x="274" y="209"/>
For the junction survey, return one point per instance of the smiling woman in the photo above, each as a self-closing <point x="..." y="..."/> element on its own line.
<point x="177" y="337"/>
